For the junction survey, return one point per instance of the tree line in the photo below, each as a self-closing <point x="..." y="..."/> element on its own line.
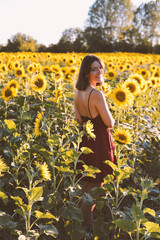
<point x="111" y="25"/>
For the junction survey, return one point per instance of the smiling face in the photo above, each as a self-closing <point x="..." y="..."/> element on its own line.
<point x="95" y="75"/>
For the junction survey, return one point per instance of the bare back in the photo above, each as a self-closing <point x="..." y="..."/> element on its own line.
<point x="96" y="105"/>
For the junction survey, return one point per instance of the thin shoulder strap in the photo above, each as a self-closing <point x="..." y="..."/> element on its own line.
<point x="88" y="102"/>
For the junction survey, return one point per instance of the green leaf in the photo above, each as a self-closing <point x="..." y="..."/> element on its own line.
<point x="35" y="193"/>
<point x="65" y="169"/>
<point x="144" y="194"/>
<point x="49" y="229"/>
<point x="126" y="225"/>
<point x="4" y="197"/>
<point x="152" y="227"/>
<point x="41" y="215"/>
<point x="150" y="211"/>
<point x="137" y="213"/>
<point x="112" y="165"/>
<point x="6" y="221"/>
<point x="54" y="140"/>
<point x="17" y="200"/>
<point x="86" y="150"/>
<point x="72" y="212"/>
<point x="90" y="171"/>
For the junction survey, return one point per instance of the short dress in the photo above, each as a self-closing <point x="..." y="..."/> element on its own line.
<point x="102" y="147"/>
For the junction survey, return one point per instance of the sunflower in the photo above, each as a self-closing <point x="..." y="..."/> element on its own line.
<point x="7" y="93"/>
<point x="46" y="68"/>
<point x="56" y="59"/>
<point x="57" y="76"/>
<point x="73" y="70"/>
<point x="55" y="68"/>
<point x="156" y="73"/>
<point x="111" y="74"/>
<point x="128" y="66"/>
<point x="122" y="136"/>
<point x="140" y="80"/>
<point x="153" y="67"/>
<point x="30" y="68"/>
<point x="37" y="124"/>
<point x="38" y="83"/>
<point x="132" y="85"/>
<point x="43" y="171"/>
<point x="110" y="65"/>
<point x="122" y="97"/>
<point x="3" y="166"/>
<point x="10" y="124"/>
<point x="88" y="127"/>
<point x="71" y="61"/>
<point x="13" y="84"/>
<point x="4" y="68"/>
<point x="16" y="64"/>
<point x="144" y="72"/>
<point x="19" y="72"/>
<point x="65" y="70"/>
<point x="153" y="82"/>
<point x="10" y="65"/>
<point x="121" y="67"/>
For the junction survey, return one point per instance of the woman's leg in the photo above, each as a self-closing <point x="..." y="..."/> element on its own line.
<point x="87" y="210"/>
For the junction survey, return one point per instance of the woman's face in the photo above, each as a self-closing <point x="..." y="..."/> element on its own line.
<point x="95" y="75"/>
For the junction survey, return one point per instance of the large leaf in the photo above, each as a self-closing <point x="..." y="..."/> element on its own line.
<point x="112" y="165"/>
<point x="4" y="197"/>
<point x="41" y="215"/>
<point x="126" y="225"/>
<point x="150" y="211"/>
<point x="72" y="212"/>
<point x="35" y="194"/>
<point x="152" y="227"/>
<point x="6" y="221"/>
<point x="137" y="213"/>
<point x="49" y="229"/>
<point x="86" y="150"/>
<point x="90" y="171"/>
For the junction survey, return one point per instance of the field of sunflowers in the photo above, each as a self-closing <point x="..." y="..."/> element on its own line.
<point x="40" y="193"/>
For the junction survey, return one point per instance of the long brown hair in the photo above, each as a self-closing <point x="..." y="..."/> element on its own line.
<point x="83" y="81"/>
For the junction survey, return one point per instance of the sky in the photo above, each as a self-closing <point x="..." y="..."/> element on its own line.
<point x="43" y="20"/>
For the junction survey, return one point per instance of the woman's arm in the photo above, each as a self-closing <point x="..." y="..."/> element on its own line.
<point x="102" y="109"/>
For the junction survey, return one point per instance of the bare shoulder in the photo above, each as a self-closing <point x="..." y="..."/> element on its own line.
<point x="98" y="95"/>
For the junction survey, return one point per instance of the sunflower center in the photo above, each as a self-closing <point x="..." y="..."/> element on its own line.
<point x="39" y="83"/>
<point x="13" y="85"/>
<point x="153" y="82"/>
<point x="122" y="137"/>
<point x="156" y="75"/>
<point x="121" y="96"/>
<point x="8" y="93"/>
<point x="19" y="72"/>
<point x="111" y="74"/>
<point x="137" y="79"/>
<point x="131" y="87"/>
<point x="143" y="73"/>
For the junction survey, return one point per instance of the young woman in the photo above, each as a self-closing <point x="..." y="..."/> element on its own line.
<point x="90" y="104"/>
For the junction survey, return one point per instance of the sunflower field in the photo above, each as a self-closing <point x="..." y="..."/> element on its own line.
<point x="40" y="193"/>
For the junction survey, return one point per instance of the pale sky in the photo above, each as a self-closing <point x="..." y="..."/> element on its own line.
<point x="44" y="20"/>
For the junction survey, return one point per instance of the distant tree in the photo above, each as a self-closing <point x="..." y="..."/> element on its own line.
<point x="146" y="23"/>
<point x="114" y="17"/>
<point x="21" y="42"/>
<point x="71" y="39"/>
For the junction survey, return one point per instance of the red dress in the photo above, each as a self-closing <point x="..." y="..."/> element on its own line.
<point x="102" y="147"/>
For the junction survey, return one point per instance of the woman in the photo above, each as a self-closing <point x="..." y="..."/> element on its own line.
<point x="90" y="104"/>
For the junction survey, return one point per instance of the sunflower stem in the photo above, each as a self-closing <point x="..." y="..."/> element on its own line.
<point x="6" y="107"/>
